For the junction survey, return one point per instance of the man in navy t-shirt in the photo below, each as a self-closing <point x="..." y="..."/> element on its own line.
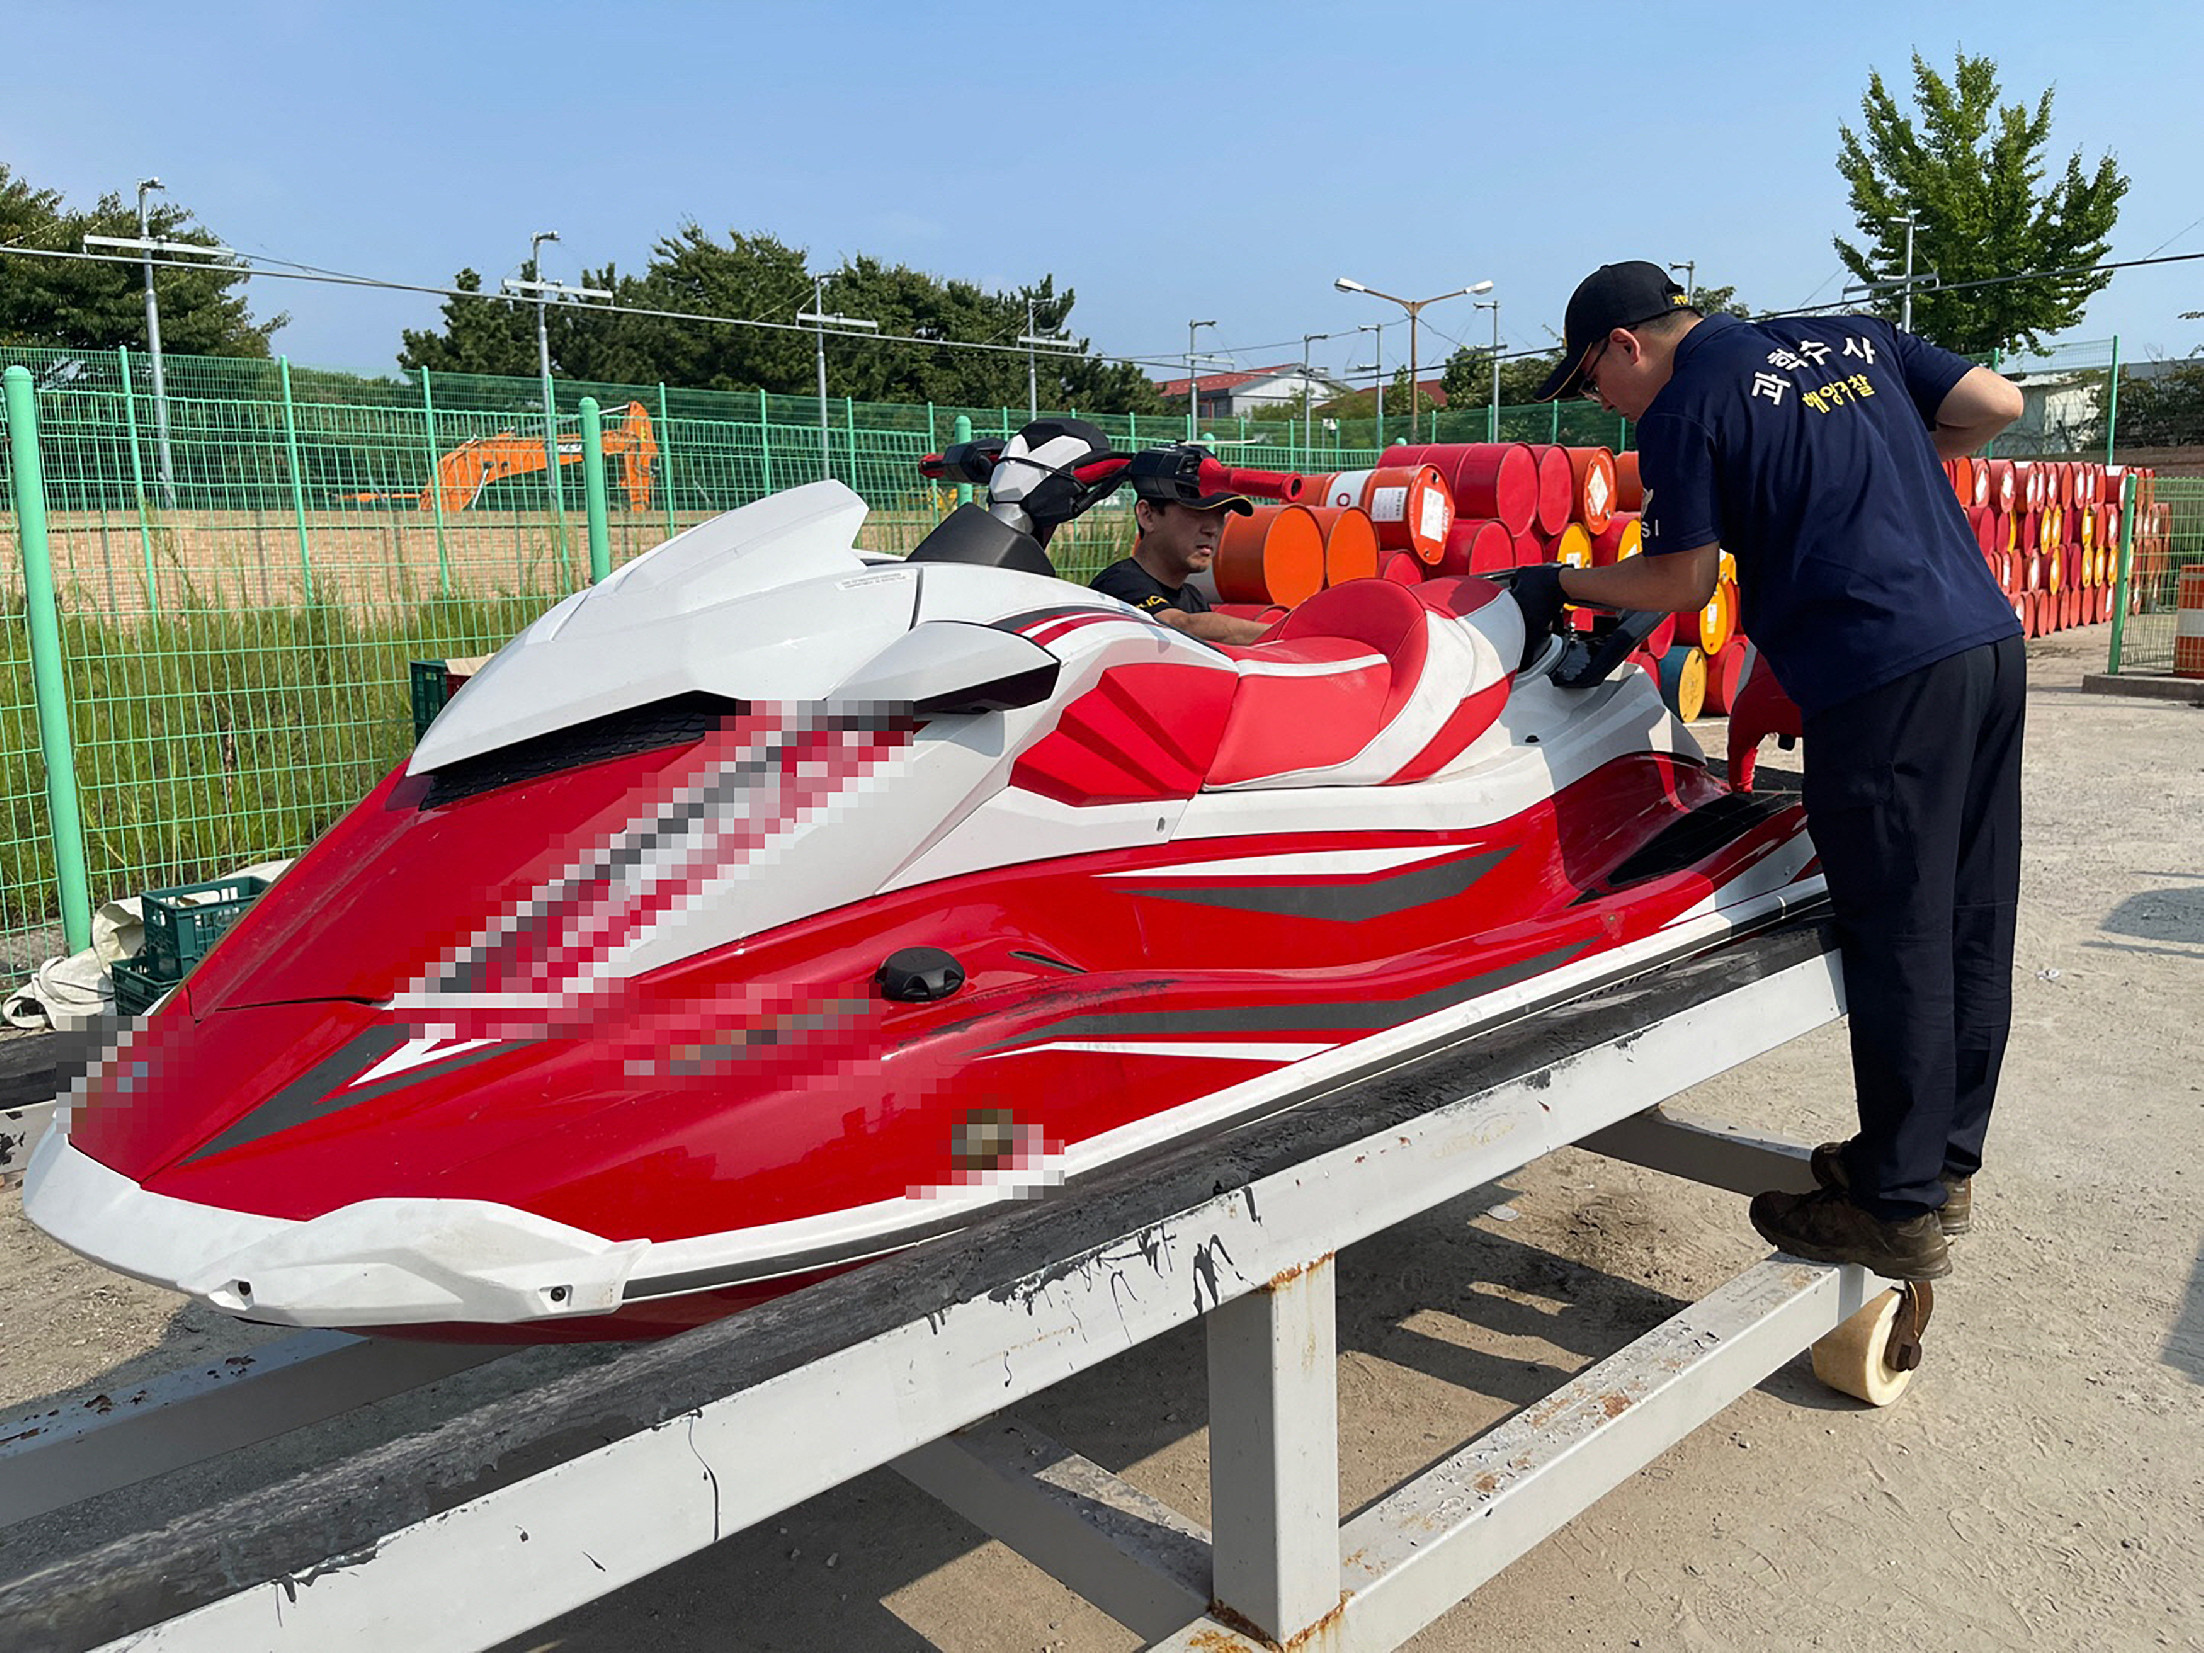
<point x="1809" y="449"/>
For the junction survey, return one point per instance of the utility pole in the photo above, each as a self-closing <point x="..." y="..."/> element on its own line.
<point x="1912" y="221"/>
<point x="543" y="370"/>
<point x="1493" y="305"/>
<point x="1193" y="383"/>
<point x="1377" y="366"/>
<point x="162" y="468"/>
<point x="818" y="317"/>
<point x="1414" y="307"/>
<point x="1033" y="341"/>
<point x="1690" y="267"/>
<point x="1308" y="396"/>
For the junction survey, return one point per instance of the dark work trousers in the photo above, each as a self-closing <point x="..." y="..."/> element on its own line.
<point x="1913" y="796"/>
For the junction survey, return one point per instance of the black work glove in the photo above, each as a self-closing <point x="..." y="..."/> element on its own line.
<point x="1537" y="592"/>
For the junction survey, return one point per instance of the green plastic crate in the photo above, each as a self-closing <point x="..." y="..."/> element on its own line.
<point x="434" y="682"/>
<point x="137" y="988"/>
<point x="182" y="923"/>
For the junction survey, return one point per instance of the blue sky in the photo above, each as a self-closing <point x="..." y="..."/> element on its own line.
<point x="1166" y="161"/>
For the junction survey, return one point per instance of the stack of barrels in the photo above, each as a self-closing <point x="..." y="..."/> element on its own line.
<point x="2050" y="532"/>
<point x="1476" y="508"/>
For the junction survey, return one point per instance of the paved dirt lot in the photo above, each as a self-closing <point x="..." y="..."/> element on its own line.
<point x="2042" y="1485"/>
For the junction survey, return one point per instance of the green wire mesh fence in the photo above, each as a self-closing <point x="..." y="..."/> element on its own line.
<point x="246" y="565"/>
<point x="2146" y="642"/>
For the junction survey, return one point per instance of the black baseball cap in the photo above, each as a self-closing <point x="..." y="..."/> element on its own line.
<point x="1612" y="296"/>
<point x="1172" y="476"/>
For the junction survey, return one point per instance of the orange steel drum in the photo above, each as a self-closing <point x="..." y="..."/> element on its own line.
<point x="1409" y="504"/>
<point x="1622" y="540"/>
<point x="1683" y="680"/>
<point x="1725" y="676"/>
<point x="1629" y="491"/>
<point x="1497" y="480"/>
<point x="1274" y="556"/>
<point x="1710" y="627"/>
<point x="1402" y="568"/>
<point x="1556" y="490"/>
<point x="2004" y="485"/>
<point x="1350" y="545"/>
<point x="1477" y="545"/>
<point x="1592" y="486"/>
<point x="1573" y="546"/>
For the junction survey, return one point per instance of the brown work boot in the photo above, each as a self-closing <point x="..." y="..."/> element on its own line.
<point x="1954" y="1217"/>
<point x="1826" y="1227"/>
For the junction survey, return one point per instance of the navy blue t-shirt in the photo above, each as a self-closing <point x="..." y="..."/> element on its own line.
<point x="1803" y="446"/>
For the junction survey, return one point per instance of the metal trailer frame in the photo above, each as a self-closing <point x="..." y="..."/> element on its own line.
<point x="459" y="1538"/>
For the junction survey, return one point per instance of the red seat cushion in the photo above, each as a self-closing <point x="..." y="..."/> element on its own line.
<point x="1387" y="616"/>
<point x="1301" y="705"/>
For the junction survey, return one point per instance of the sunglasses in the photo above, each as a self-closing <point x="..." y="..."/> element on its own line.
<point x="1588" y="380"/>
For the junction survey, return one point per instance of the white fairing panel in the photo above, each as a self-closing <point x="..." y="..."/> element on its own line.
<point x="731" y="607"/>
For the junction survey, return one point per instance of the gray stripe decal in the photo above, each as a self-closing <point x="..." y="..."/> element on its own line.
<point x="305" y="1097"/>
<point x="1362" y="1015"/>
<point x="1340" y="903"/>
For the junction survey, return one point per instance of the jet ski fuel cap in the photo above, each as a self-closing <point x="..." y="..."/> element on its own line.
<point x="917" y="975"/>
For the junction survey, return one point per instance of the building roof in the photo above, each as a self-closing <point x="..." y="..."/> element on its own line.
<point x="1216" y="384"/>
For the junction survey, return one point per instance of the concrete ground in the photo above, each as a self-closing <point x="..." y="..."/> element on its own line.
<point x="2041" y="1485"/>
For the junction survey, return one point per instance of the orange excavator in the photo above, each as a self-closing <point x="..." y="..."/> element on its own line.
<point x="462" y="474"/>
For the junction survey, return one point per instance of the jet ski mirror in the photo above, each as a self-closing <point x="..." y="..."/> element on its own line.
<point x="947" y="666"/>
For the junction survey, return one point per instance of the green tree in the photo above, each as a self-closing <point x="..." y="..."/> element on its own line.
<point x="97" y="304"/>
<point x="2163" y="408"/>
<point x="1468" y="378"/>
<point x="655" y="331"/>
<point x="480" y="335"/>
<point x="1974" y="172"/>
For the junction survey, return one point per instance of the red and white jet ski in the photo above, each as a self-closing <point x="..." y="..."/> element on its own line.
<point x="771" y="906"/>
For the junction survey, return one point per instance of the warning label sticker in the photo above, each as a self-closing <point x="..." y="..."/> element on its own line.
<point x="1388" y="504"/>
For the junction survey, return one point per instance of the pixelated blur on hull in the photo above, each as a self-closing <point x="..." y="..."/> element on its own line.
<point x="770" y="907"/>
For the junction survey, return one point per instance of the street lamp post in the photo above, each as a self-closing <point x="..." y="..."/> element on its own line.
<point x="162" y="467"/>
<point x="1690" y="267"/>
<point x="1193" y="382"/>
<point x="1415" y="308"/>
<point x="818" y="317"/>
<point x="1493" y="305"/>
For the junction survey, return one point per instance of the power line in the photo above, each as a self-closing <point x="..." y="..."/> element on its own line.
<point x="381" y="284"/>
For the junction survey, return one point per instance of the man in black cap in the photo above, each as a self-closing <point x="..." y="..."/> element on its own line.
<point x="1809" y="448"/>
<point x="1179" y="529"/>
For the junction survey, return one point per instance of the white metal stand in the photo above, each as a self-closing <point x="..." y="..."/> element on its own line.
<point x="446" y="1542"/>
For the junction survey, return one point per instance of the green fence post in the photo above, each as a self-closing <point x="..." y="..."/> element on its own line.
<point x="2120" y="575"/>
<point x="849" y="430"/>
<point x="2112" y="400"/>
<point x="435" y="491"/>
<point x="593" y="489"/>
<point x="932" y="446"/>
<point x="49" y="680"/>
<point x="298" y="487"/>
<point x="137" y="480"/>
<point x="1555" y="407"/>
<point x="963" y="433"/>
<point x="665" y="458"/>
<point x="1132" y="430"/>
<point x="1990" y="447"/>
<point x="765" y="440"/>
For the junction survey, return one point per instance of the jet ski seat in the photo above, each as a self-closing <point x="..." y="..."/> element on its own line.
<point x="1365" y="684"/>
